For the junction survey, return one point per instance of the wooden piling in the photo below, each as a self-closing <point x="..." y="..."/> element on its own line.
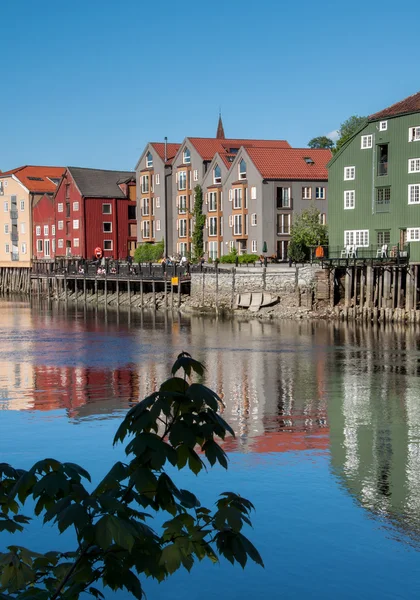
<point x="348" y="286"/>
<point x="154" y="295"/>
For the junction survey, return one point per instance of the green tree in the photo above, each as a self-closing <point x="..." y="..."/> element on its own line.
<point x="199" y="222"/>
<point x="306" y="231"/>
<point x="321" y="141"/>
<point x="117" y="543"/>
<point x="347" y="129"/>
<point x="149" y="252"/>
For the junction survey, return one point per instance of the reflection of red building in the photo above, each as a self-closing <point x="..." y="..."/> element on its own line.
<point x="280" y="441"/>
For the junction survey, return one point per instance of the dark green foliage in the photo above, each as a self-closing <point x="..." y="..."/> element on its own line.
<point x="347" y="129"/>
<point x="321" y="141"/>
<point x="116" y="542"/>
<point x="149" y="252"/>
<point x="199" y="222"/>
<point x="306" y="231"/>
<point x="242" y="259"/>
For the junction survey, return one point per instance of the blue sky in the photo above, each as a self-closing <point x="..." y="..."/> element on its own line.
<point x="89" y="82"/>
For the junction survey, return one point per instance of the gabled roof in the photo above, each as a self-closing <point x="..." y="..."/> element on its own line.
<point x="36" y="179"/>
<point x="290" y="163"/>
<point x="207" y="147"/>
<point x="171" y="150"/>
<point x="408" y="105"/>
<point x="98" y="183"/>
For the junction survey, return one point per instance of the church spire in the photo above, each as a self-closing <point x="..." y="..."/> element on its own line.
<point x="220" y="135"/>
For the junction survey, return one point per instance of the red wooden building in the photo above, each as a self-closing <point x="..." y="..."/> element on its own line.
<point x="43" y="228"/>
<point x="95" y="209"/>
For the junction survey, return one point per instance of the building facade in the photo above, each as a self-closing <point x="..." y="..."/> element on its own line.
<point x="43" y="228"/>
<point x="374" y="183"/>
<point x="257" y="194"/>
<point x="20" y="190"/>
<point x="154" y="192"/>
<point x="95" y="208"/>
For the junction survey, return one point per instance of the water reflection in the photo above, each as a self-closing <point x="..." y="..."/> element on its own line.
<point x="350" y="391"/>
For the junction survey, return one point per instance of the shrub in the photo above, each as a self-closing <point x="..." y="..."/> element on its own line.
<point x="149" y="252"/>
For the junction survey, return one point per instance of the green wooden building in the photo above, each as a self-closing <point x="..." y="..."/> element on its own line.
<point x="374" y="185"/>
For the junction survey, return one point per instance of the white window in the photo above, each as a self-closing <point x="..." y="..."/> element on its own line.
<point x="213" y="250"/>
<point x="60" y="243"/>
<point x="306" y="193"/>
<point x="237" y="225"/>
<point x="231" y="245"/>
<point x="107" y="244"/>
<point x="76" y="242"/>
<point x="146" y="229"/>
<point x="7" y="249"/>
<point x="187" y="156"/>
<point x="349" y="173"/>
<point x="46" y="247"/>
<point x="144" y="181"/>
<point x="356" y="237"/>
<point x="283" y="224"/>
<point x="414" y="134"/>
<point x="182" y="228"/>
<point x="158" y="225"/>
<point x="253" y="219"/>
<point x="75" y="206"/>
<point x="76" y="224"/>
<point x="52" y="229"/>
<point x="37" y="230"/>
<point x="322" y="218"/>
<point x="23" y="248"/>
<point x="149" y="160"/>
<point x="242" y="169"/>
<point x="349" y="199"/>
<point x="413" y="234"/>
<point x="195" y="175"/>
<point x="237" y="198"/>
<point x="157" y="179"/>
<point x="414" y="194"/>
<point x="39" y="245"/>
<point x="217" y="174"/>
<point x="212" y="225"/>
<point x="22" y="205"/>
<point x="230" y="221"/>
<point x="157" y="201"/>
<point x="60" y="224"/>
<point x="320" y="193"/>
<point x="6" y="228"/>
<point x="145" y="207"/>
<point x="106" y="209"/>
<point x="253" y="193"/>
<point x="45" y="229"/>
<point x="107" y="227"/>
<point x="60" y="207"/>
<point x="182" y="205"/>
<point x="383" y="125"/>
<point x="366" y="142"/>
<point x="414" y="165"/>
<point x="182" y="180"/>
<point x="6" y="207"/>
<point x="253" y="245"/>
<point x="212" y="201"/>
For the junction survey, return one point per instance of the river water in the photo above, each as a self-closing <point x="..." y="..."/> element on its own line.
<point x="327" y="422"/>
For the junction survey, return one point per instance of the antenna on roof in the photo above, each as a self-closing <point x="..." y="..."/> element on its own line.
<point x="166" y="149"/>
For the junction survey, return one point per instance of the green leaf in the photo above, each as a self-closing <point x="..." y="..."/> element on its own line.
<point x="251" y="550"/>
<point x="188" y="364"/>
<point x="71" y="468"/>
<point x="215" y="453"/>
<point x="75" y="515"/>
<point x="171" y="558"/>
<point x="200" y="394"/>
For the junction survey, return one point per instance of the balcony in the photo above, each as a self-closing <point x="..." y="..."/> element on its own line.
<point x="14" y="237"/>
<point x="382" y="169"/>
<point x="13" y="214"/>
<point x="15" y="256"/>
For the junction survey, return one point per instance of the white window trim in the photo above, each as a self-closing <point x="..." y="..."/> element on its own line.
<point x="253" y="219"/>
<point x="157" y="179"/>
<point x="111" y="245"/>
<point x="410" y="187"/>
<point x="6" y="229"/>
<point x="158" y="225"/>
<point x="413" y="234"/>
<point x="215" y="220"/>
<point x="184" y="155"/>
<point x="103" y="227"/>
<point x="75" y="206"/>
<point x="52" y="229"/>
<point x="412" y="163"/>
<point x="110" y="208"/>
<point x="60" y="207"/>
<point x="236" y="229"/>
<point x="22" y="205"/>
<point x="75" y="223"/>
<point x="237" y="198"/>
<point x="414" y="134"/>
<point x="383" y="125"/>
<point x="369" y="141"/>
<point x="46" y="230"/>
<point x="76" y="242"/>
<point x="322" y="194"/>
<point x="7" y="248"/>
<point x="60" y="243"/>
<point x="348" y="173"/>
<point x="351" y="199"/>
<point x="253" y="246"/>
<point x="60" y="225"/>
<point x="23" y="248"/>
<point x="306" y="192"/>
<point x="353" y="233"/>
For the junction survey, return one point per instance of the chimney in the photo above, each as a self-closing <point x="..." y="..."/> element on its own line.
<point x="166" y="149"/>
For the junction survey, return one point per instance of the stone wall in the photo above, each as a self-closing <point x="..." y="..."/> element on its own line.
<point x="294" y="287"/>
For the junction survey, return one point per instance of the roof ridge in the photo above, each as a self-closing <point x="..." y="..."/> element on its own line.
<point x="103" y="170"/>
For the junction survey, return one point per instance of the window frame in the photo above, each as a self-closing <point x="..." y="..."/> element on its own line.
<point x="22" y="205"/>
<point x="149" y="160"/>
<point x="60" y="225"/>
<point x="414" y="134"/>
<point x="254" y="247"/>
<point x="107" y="223"/>
<point x="410" y="188"/>
<point x="46" y="230"/>
<point x="111" y="244"/>
<point x="40" y="245"/>
<point x="368" y="138"/>
<point x="383" y="125"/>
<point x="414" y="161"/>
<point x="110" y="208"/>
<point x="349" y="178"/>
<point x="212" y="196"/>
<point x="305" y="189"/>
<point x="237" y="229"/>
<point x="237" y="198"/>
<point x="254" y="220"/>
<point x="214" y="221"/>
<point x="76" y="223"/>
<point x="217" y="178"/>
<point x="322" y="192"/>
<point x="242" y="174"/>
<point x="76" y="206"/>
<point x="186" y="156"/>
<point x="60" y="207"/>
<point x="354" y="234"/>
<point x="349" y="202"/>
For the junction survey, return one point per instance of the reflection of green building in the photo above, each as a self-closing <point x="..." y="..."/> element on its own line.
<point x="375" y="427"/>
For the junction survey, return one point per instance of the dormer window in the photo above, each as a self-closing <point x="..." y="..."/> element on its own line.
<point x="149" y="160"/>
<point x="308" y="160"/>
<point x="187" y="156"/>
<point x="242" y="169"/>
<point x="217" y="174"/>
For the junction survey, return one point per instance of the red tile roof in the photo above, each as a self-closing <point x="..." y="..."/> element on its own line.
<point x="207" y="147"/>
<point x="35" y="178"/>
<point x="408" y="105"/>
<point x="171" y="150"/>
<point x="289" y="163"/>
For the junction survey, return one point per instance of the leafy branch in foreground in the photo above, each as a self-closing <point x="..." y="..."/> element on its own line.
<point x="113" y="524"/>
